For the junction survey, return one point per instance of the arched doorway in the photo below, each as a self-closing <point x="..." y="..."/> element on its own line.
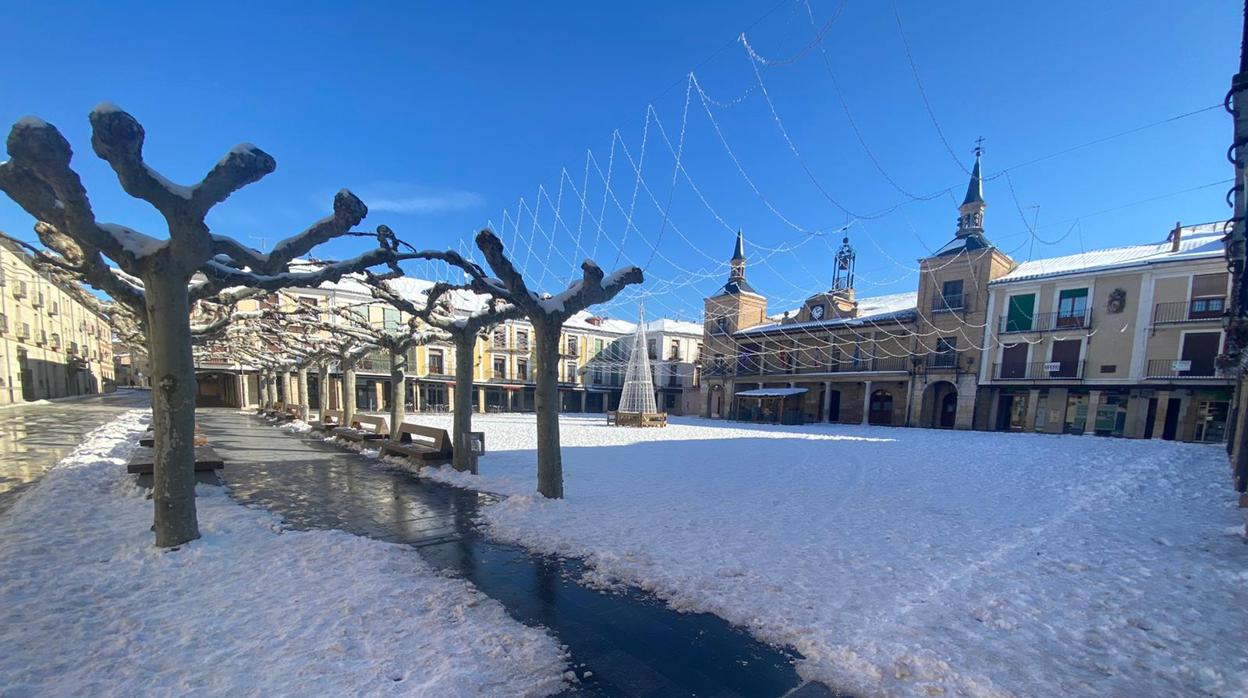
<point x="940" y="405"/>
<point x="881" y="408"/>
<point x="216" y="389"/>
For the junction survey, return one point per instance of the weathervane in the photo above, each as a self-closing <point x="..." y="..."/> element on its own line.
<point x="979" y="146"/>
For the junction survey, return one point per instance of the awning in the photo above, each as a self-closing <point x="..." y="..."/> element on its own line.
<point x="771" y="392"/>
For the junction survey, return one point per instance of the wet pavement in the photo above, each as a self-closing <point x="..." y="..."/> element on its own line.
<point x="628" y="642"/>
<point x="34" y="437"/>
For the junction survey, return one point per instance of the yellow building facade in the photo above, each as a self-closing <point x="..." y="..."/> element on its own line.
<point x="51" y="345"/>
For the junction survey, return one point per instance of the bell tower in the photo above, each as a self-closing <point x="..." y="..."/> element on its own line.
<point x="971" y="212"/>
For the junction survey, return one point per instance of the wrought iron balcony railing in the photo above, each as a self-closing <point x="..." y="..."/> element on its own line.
<point x="1038" y="371"/>
<point x="1182" y="368"/>
<point x="1045" y="322"/>
<point x="1195" y="310"/>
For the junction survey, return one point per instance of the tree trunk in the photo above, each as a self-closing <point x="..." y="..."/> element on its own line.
<point x="464" y="361"/>
<point x="546" y="402"/>
<point x="348" y="393"/>
<point x="173" y="407"/>
<point x="398" y="394"/>
<point x="302" y="384"/>
<point x="322" y="390"/>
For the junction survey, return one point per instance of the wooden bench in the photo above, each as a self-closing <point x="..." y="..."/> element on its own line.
<point x="365" y="427"/>
<point x="636" y="419"/>
<point x="144" y="460"/>
<point x="333" y="418"/>
<point x="421" y="445"/>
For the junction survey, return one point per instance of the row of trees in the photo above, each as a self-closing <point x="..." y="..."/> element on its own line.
<point x="156" y="280"/>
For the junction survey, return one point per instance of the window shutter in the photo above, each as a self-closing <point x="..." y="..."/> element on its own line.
<point x="1204" y="285"/>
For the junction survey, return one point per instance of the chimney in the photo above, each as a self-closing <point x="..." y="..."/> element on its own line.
<point x="1176" y="236"/>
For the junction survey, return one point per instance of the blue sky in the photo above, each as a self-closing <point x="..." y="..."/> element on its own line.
<point x="444" y="116"/>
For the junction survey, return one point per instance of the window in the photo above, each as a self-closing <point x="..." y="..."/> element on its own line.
<point x="572" y="346"/>
<point x="522" y="340"/>
<point x="390" y="319"/>
<point x="569" y="372"/>
<point x="1013" y="362"/>
<point x="4" y="322"/>
<point x="522" y="369"/>
<point x="435" y="362"/>
<point x="597" y="347"/>
<point x="674" y="354"/>
<point x="1072" y="307"/>
<point x="56" y="341"/>
<point x="1200" y="349"/>
<point x="946" y="355"/>
<point x="721" y="325"/>
<point x="500" y="337"/>
<point x="1208" y="296"/>
<point x="500" y="367"/>
<point x="56" y="308"/>
<point x="950" y="297"/>
<point x="1021" y="311"/>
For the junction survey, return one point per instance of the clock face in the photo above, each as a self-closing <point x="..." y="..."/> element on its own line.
<point x="817" y="312"/>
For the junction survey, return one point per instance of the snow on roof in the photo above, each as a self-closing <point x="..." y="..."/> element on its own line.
<point x="770" y="392"/>
<point x="1196" y="242"/>
<point x="581" y="321"/>
<point x="667" y="326"/>
<point x="873" y="309"/>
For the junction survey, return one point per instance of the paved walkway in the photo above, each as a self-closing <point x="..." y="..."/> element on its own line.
<point x="632" y="644"/>
<point x="34" y="437"/>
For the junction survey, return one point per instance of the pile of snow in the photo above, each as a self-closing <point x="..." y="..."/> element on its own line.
<point x="89" y="606"/>
<point x="908" y="561"/>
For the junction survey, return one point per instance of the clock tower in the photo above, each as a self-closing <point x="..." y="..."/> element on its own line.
<point x="838" y="301"/>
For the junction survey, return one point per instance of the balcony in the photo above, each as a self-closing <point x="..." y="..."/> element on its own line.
<point x="1183" y="368"/>
<point x="941" y="361"/>
<point x="1196" y="310"/>
<point x="1045" y="322"/>
<point x="949" y="304"/>
<point x="754" y="366"/>
<point x="1039" y="371"/>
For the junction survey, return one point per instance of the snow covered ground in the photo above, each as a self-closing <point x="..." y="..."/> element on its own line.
<point x="908" y="561"/>
<point x="88" y="606"/>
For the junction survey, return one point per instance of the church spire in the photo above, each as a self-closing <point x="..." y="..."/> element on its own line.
<point x="971" y="212"/>
<point x="738" y="253"/>
<point x="738" y="259"/>
<point x="736" y="270"/>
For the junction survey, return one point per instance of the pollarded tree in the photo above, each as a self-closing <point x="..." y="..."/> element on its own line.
<point x="396" y="341"/>
<point x="438" y="311"/>
<point x="547" y="314"/>
<point x="156" y="279"/>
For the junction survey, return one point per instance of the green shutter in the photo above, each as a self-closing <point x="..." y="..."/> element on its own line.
<point x="1022" y="309"/>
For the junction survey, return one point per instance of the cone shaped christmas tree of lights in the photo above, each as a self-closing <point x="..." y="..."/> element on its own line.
<point x="638" y="395"/>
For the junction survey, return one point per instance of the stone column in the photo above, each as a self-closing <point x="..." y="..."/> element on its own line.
<point x="302" y="383"/>
<point x="866" y="402"/>
<point x="1033" y="403"/>
<point x="415" y="396"/>
<point x="584" y="396"/>
<point x="1055" y="420"/>
<point x="481" y="400"/>
<point x="450" y="393"/>
<point x="1094" y="403"/>
<point x="827" y="401"/>
<point x="1159" y="421"/>
<point x="511" y="400"/>
<point x="243" y="394"/>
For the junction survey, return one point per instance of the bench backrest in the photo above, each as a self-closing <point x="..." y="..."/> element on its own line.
<point x="333" y="416"/>
<point x="433" y="437"/>
<point x="370" y="423"/>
